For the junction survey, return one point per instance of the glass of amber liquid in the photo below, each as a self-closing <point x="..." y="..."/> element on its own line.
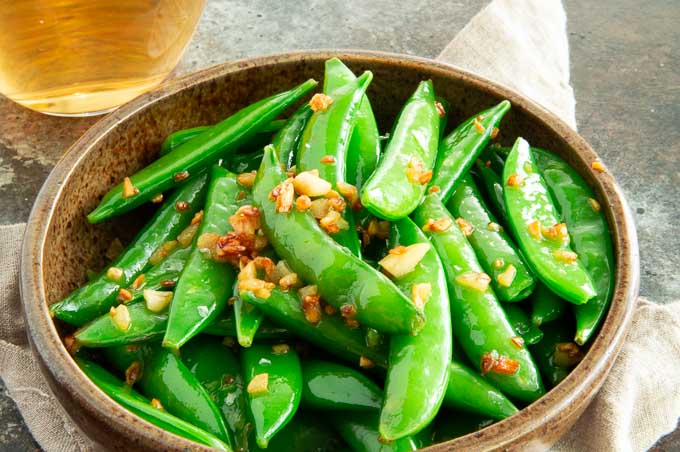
<point x="86" y="57"/>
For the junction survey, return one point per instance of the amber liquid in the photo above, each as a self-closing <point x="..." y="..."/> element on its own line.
<point x="79" y="57"/>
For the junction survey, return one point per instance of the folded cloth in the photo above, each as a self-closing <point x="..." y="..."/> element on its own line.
<point x="639" y="402"/>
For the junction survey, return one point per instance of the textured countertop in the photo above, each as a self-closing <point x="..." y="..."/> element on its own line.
<point x="627" y="86"/>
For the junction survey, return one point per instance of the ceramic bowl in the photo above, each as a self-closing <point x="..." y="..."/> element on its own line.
<point x="60" y="245"/>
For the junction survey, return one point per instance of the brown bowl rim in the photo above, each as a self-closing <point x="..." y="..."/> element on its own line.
<point x="47" y="345"/>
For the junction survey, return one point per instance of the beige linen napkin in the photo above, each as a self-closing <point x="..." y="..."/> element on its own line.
<point x="519" y="43"/>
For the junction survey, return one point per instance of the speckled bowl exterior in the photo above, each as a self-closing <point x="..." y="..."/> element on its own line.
<point x="60" y="245"/>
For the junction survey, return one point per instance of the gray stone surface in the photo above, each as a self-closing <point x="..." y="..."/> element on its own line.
<point x="626" y="76"/>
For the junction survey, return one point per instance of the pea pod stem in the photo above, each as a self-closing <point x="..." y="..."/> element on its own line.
<point x="478" y="321"/>
<point x="220" y="140"/>
<point x="137" y="404"/>
<point x="399" y="182"/>
<point x="530" y="211"/>
<point x="342" y="278"/>
<point x="98" y="296"/>
<point x="204" y="285"/>
<point x="416" y="378"/>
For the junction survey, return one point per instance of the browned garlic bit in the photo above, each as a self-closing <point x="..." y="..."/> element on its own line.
<point x="248" y="280"/>
<point x="259" y="384"/>
<point x="594" y="204"/>
<point x="420" y="293"/>
<point x="283" y="194"/>
<point x="493" y="362"/>
<point x="247" y="179"/>
<point x="350" y="193"/>
<point x="139" y="280"/>
<point x="280" y="349"/>
<point x="115" y="274"/>
<point x="121" y="317"/>
<point x="474" y="280"/>
<point x="440" y="109"/>
<point x="157" y="199"/>
<point x="567" y="354"/>
<point x="182" y="206"/>
<point x="466" y="228"/>
<point x="403" y="260"/>
<point x="494" y="227"/>
<point x="534" y="229"/>
<point x="478" y="125"/>
<point x="156" y="300"/>
<point x="124" y="295"/>
<point x="556" y="231"/>
<point x="415" y="172"/>
<point x="439" y="225"/>
<point x="498" y="263"/>
<point x="180" y="176"/>
<point x="156" y="404"/>
<point x="365" y="363"/>
<point x="506" y="278"/>
<point x="518" y="341"/>
<point x="514" y="180"/>
<point x="303" y="202"/>
<point x="162" y="252"/>
<point x="434" y="189"/>
<point x="309" y="183"/>
<point x="494" y="133"/>
<point x="186" y="237"/>
<point x="320" y="102"/>
<point x="311" y="303"/>
<point x="129" y="190"/>
<point x="132" y="373"/>
<point x="565" y="256"/>
<point x="327" y="159"/>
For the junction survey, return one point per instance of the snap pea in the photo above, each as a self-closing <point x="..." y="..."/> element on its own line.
<point x="219" y="141"/>
<point x="556" y="355"/>
<point x="416" y="377"/>
<point x="225" y="325"/>
<point x="510" y="277"/>
<point x="244" y="163"/>
<point x="469" y="392"/>
<point x="443" y="109"/>
<point x="493" y="188"/>
<point x="546" y="306"/>
<point x="137" y="404"/>
<point x="360" y="431"/>
<point x="98" y="296"/>
<point x="272" y="403"/>
<point x="341" y="277"/>
<point x="162" y="275"/>
<point x="327" y="136"/>
<point x="179" y="137"/>
<point x="522" y="325"/>
<point x="216" y="367"/>
<point x="330" y="386"/>
<point x="287" y="140"/>
<point x="248" y="319"/>
<point x="478" y="321"/>
<point x="397" y="185"/>
<point x="306" y="433"/>
<point x="459" y="150"/>
<point x="330" y="333"/>
<point x="204" y="285"/>
<point x="530" y="208"/>
<point x="364" y="145"/>
<point x="162" y="375"/>
<point x="589" y="234"/>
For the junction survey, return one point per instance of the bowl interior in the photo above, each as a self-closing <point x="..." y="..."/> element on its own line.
<point x="61" y="246"/>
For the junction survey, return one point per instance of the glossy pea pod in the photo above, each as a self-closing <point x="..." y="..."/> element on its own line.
<point x="522" y="325"/>
<point x="492" y="183"/>
<point x="204" y="285"/>
<point x="556" y="354"/>
<point x="225" y="326"/>
<point x="139" y="405"/>
<point x="161" y="375"/>
<point x="416" y="377"/>
<point x="328" y="386"/>
<point x="274" y="381"/>
<point x="287" y="140"/>
<point x="248" y="319"/>
<point x="341" y="277"/>
<point x="218" y="370"/>
<point x="530" y="210"/>
<point x="324" y="145"/>
<point x="589" y="234"/>
<point x="306" y="433"/>
<point x="179" y="137"/>
<point x="510" y="277"/>
<point x="478" y="320"/>
<point x="360" y="431"/>
<point x="546" y="306"/>
<point x="469" y="392"/>
<point x="98" y="296"/>
<point x="244" y="163"/>
<point x="399" y="182"/>
<point x="219" y="141"/>
<point x="459" y="150"/>
<point x="364" y="146"/>
<point x="330" y="333"/>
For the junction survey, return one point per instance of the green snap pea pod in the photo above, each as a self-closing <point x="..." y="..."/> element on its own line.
<point x="173" y="140"/>
<point x="274" y="381"/>
<point x="341" y="277"/>
<point x="416" y="377"/>
<point x="443" y="110"/>
<point x="478" y="320"/>
<point x="244" y="163"/>
<point x="360" y="431"/>
<point x="364" y="146"/>
<point x="398" y="184"/>
<point x="589" y="234"/>
<point x="324" y="143"/>
<point x="493" y="188"/>
<point x="530" y="209"/>
<point x="556" y="355"/>
<point x="162" y="275"/>
<point x="225" y="325"/>
<point x="546" y="306"/>
<point x="306" y="433"/>
<point x="217" y="368"/>
<point x="162" y="375"/>
<point x="287" y="140"/>
<point x="522" y="325"/>
<point x="203" y="150"/>
<point x="137" y="404"/>
<point x="469" y="392"/>
<point x="248" y="320"/>
<point x="510" y="277"/>
<point x="204" y="285"/>
<point x="333" y="387"/>
<point x="330" y="333"/>
<point x="459" y="150"/>
<point x="98" y="296"/>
